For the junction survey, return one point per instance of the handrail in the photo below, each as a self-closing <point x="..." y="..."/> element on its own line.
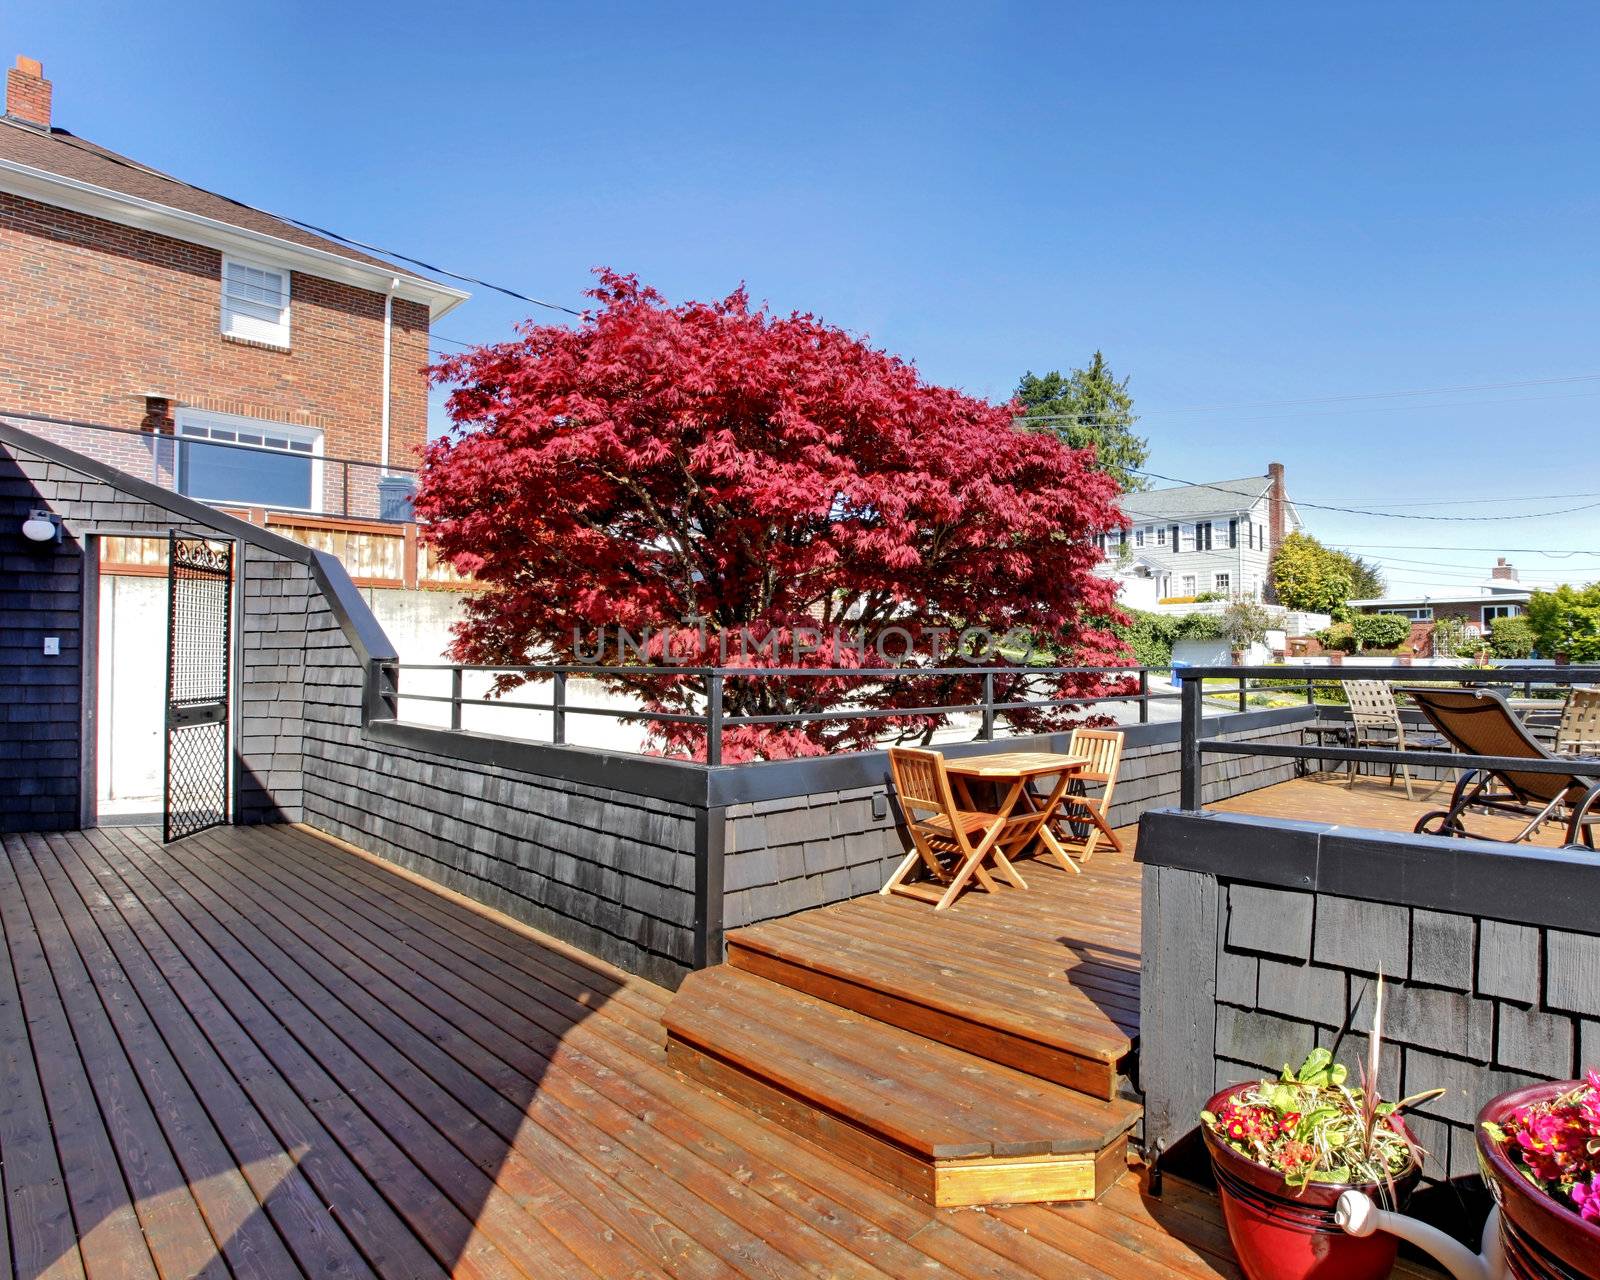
<point x="712" y="687"/>
<point x="1193" y="748"/>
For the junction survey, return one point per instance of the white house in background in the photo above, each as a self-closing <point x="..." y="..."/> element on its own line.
<point x="1196" y="539"/>
<point x="1500" y="595"/>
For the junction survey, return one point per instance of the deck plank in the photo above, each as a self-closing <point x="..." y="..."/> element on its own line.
<point x="109" y="1234"/>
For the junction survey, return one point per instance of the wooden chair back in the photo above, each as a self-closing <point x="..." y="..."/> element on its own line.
<point x="1103" y="749"/>
<point x="921" y="782"/>
<point x="1579" y="730"/>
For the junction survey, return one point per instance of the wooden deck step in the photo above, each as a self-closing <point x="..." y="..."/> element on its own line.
<point x="1065" y="1013"/>
<point x="936" y="1121"/>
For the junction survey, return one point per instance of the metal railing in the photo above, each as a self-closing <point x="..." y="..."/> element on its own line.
<point x="347" y="488"/>
<point x="1193" y="748"/>
<point x="707" y="688"/>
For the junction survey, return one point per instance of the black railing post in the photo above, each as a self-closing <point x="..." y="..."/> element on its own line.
<point x="1311" y="692"/>
<point x="988" y="706"/>
<point x="714" y="718"/>
<point x="1144" y="695"/>
<point x="1242" y="689"/>
<point x="558" y="709"/>
<point x="455" y="697"/>
<point x="1189" y="743"/>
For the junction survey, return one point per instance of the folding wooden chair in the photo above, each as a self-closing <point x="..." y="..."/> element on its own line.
<point x="950" y="842"/>
<point x="1081" y="819"/>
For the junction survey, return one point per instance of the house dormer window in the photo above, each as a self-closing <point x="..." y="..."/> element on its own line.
<point x="255" y="302"/>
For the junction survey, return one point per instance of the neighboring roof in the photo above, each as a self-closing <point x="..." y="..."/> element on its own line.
<point x="90" y="175"/>
<point x="1196" y="499"/>
<point x="1509" y="592"/>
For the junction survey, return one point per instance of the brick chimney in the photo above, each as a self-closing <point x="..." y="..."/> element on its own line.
<point x="1277" y="509"/>
<point x="1503" y="571"/>
<point x="28" y="94"/>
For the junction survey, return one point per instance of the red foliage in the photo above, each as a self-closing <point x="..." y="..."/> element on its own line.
<point x="706" y="468"/>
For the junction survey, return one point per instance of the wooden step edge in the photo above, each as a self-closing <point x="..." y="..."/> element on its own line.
<point x="741" y="943"/>
<point x="770" y="1032"/>
<point x="1090" y="1072"/>
<point x="947" y="1184"/>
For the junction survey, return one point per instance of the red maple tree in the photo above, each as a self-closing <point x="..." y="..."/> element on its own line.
<point x="730" y="487"/>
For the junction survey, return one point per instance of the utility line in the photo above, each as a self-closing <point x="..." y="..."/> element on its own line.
<point x="1220" y="486"/>
<point x="81" y="145"/>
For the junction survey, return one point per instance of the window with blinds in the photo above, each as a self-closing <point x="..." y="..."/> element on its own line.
<point x="255" y="302"/>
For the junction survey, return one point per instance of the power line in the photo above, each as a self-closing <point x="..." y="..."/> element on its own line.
<point x="1450" y="502"/>
<point x="1358" y="511"/>
<point x="1502" y="551"/>
<point x="81" y="145"/>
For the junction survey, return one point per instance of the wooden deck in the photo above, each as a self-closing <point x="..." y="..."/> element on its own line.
<point x="256" y="1054"/>
<point x="1371" y="803"/>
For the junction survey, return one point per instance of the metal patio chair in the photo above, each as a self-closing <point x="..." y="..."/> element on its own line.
<point x="1375" y="722"/>
<point x="1480" y="722"/>
<point x="1578" y="734"/>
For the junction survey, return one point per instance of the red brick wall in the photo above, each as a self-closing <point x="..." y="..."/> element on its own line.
<point x="95" y="314"/>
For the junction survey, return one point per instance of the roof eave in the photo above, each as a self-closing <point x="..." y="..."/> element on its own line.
<point x="149" y="215"/>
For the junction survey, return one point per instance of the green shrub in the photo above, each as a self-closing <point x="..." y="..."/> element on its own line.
<point x="1512" y="637"/>
<point x="1380" y="630"/>
<point x="1339" y="638"/>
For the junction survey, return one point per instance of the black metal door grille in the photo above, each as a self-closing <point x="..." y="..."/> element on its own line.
<point x="199" y="642"/>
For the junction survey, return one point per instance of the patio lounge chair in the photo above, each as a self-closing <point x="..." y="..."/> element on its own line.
<point x="1480" y="722"/>
<point x="1375" y="722"/>
<point x="950" y="842"/>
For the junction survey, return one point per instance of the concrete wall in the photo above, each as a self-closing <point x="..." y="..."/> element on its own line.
<point x="1264" y="939"/>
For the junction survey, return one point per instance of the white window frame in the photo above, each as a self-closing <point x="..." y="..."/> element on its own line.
<point x="1220" y="582"/>
<point x="1189" y="585"/>
<point x="1161" y="535"/>
<point x="1423" y="613"/>
<point x="201" y="425"/>
<point x="1492" y="611"/>
<point x="272" y="333"/>
<point x="1138" y="537"/>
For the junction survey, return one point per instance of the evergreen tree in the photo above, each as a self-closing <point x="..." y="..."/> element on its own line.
<point x="1088" y="407"/>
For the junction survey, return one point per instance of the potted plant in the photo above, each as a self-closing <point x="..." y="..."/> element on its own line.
<point x="1539" y="1149"/>
<point x="1283" y="1152"/>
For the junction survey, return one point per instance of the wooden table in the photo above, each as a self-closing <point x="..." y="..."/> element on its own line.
<point x="1017" y="771"/>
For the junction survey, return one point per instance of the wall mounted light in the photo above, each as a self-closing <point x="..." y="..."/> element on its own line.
<point x="42" y="526"/>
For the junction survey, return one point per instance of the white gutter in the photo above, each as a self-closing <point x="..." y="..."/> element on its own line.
<point x="194" y="228"/>
<point x="388" y="350"/>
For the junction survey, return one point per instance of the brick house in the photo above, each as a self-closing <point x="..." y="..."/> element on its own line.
<point x="220" y="352"/>
<point x="1500" y="595"/>
<point x="134" y="300"/>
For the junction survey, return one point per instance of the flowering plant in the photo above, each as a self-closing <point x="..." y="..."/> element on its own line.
<point x="1310" y="1126"/>
<point x="1555" y="1144"/>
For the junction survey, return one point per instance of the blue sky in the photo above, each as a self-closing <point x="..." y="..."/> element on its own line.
<point x="1241" y="204"/>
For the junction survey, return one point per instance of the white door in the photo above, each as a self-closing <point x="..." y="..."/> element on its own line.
<point x="132" y="694"/>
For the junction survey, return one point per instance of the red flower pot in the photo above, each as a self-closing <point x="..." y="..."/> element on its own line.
<point x="1543" y="1239"/>
<point x="1281" y="1234"/>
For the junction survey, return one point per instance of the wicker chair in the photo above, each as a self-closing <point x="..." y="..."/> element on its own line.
<point x="1375" y="722"/>
<point x="1578" y="734"/>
